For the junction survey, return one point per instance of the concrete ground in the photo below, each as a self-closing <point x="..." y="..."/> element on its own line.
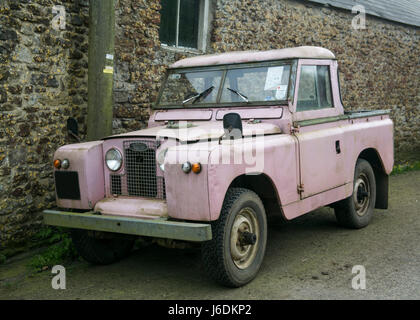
<point x="308" y="258"/>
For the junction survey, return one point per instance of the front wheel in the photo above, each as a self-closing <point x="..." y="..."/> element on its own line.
<point x="234" y="255"/>
<point x="356" y="211"/>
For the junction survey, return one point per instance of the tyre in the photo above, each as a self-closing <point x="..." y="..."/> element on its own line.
<point x="101" y="247"/>
<point x="356" y="211"/>
<point x="236" y="251"/>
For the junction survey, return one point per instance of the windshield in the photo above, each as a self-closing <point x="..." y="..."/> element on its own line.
<point x="246" y="85"/>
<point x="256" y="84"/>
<point x="186" y="88"/>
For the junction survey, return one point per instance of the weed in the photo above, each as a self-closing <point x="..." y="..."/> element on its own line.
<point x="405" y="167"/>
<point x="60" y="251"/>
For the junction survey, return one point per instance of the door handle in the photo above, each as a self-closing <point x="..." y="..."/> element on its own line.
<point x="337" y="147"/>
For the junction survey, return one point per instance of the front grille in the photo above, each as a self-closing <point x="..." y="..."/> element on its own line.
<point x="140" y="178"/>
<point x="116" y="184"/>
<point x="67" y="185"/>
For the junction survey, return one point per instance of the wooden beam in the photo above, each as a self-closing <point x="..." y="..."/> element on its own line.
<point x="101" y="68"/>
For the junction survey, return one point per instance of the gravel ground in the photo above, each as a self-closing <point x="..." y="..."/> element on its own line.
<point x="307" y="258"/>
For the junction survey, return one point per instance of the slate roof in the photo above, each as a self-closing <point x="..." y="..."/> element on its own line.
<point x="403" y="11"/>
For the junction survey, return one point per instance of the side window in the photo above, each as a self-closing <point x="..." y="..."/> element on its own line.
<point x="183" y="23"/>
<point x="314" y="88"/>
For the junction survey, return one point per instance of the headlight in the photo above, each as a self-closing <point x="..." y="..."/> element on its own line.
<point x="161" y="159"/>
<point x="113" y="159"/>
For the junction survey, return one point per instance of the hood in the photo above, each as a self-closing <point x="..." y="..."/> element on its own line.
<point x="200" y="131"/>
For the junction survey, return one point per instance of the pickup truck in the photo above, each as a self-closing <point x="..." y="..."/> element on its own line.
<point x="232" y="138"/>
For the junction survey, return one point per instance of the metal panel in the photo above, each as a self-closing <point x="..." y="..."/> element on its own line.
<point x="132" y="207"/>
<point x="141" y="227"/>
<point x="181" y="115"/>
<point x="260" y="113"/>
<point x="403" y="11"/>
<point x="87" y="159"/>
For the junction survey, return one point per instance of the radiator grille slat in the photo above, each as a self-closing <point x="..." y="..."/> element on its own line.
<point x="139" y="179"/>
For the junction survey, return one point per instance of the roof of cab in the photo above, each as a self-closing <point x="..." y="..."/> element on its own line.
<point x="254" y="56"/>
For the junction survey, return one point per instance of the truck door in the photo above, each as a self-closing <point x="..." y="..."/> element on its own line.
<point x="321" y="153"/>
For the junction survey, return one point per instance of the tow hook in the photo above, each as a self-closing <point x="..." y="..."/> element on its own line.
<point x="248" y="238"/>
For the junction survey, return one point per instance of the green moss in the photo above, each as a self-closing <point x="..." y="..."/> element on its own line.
<point x="60" y="250"/>
<point x="2" y="258"/>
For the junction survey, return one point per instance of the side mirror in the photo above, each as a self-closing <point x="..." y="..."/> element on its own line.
<point x="73" y="128"/>
<point x="232" y="124"/>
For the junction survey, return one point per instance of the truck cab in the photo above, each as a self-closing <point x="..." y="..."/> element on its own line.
<point x="232" y="138"/>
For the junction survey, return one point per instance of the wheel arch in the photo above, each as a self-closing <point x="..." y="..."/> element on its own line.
<point x="372" y="156"/>
<point x="264" y="187"/>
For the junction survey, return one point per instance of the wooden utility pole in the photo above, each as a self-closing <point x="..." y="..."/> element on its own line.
<point x="101" y="68"/>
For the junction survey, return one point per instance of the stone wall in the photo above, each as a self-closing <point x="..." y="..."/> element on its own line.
<point x="137" y="73"/>
<point x="43" y="81"/>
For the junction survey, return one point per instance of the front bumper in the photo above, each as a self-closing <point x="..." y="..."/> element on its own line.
<point x="158" y="228"/>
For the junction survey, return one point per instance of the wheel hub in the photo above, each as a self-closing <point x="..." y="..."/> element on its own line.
<point x="361" y="194"/>
<point x="248" y="238"/>
<point x="244" y="239"/>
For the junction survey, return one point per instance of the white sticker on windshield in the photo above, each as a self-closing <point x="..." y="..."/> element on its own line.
<point x="281" y="92"/>
<point x="274" y="76"/>
<point x="174" y="76"/>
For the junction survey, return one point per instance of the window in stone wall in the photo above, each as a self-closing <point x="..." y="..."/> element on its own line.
<point x="184" y="23"/>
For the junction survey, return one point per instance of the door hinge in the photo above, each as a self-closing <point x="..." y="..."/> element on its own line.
<point x="294" y="128"/>
<point x="300" y="188"/>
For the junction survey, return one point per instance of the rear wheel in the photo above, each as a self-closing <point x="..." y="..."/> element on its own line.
<point x="101" y="247"/>
<point x="356" y="211"/>
<point x="234" y="255"/>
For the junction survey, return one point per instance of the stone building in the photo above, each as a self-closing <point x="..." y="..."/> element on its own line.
<point x="43" y="71"/>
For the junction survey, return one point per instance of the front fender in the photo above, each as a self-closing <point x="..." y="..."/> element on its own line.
<point x="274" y="156"/>
<point x="87" y="162"/>
<point x="187" y="194"/>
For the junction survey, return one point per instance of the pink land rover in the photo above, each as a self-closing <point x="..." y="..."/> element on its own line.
<point x="233" y="137"/>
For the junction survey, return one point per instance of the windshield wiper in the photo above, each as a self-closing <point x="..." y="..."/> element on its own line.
<point x="243" y="97"/>
<point x="199" y="96"/>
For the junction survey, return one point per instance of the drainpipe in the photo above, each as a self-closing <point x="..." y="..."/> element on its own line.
<point x="100" y="69"/>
